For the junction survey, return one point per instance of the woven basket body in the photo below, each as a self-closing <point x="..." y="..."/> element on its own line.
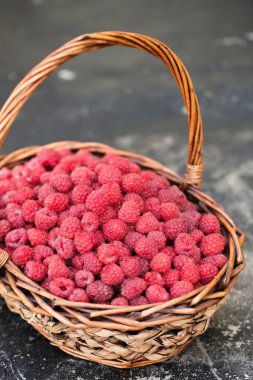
<point x="129" y="336"/>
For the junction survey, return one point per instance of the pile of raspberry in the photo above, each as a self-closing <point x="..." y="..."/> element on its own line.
<point x="102" y="230"/>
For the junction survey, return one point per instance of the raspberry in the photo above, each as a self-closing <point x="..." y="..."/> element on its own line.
<point x="3" y="214"/>
<point x="190" y="272"/>
<point x="45" y="284"/>
<point x="35" y="270"/>
<point x="7" y="198"/>
<point x="114" y="229"/>
<point x="45" y="219"/>
<point x="197" y="236"/>
<point x="107" y="253"/>
<point x="45" y="177"/>
<point x="133" y="287"/>
<point x="80" y="193"/>
<point x="160" y="262"/>
<point x="121" y="248"/>
<point x="131" y="266"/>
<point x="157" y="293"/>
<point x="154" y="278"/>
<point x="22" y="255"/>
<point x="69" y="227"/>
<point x="56" y="267"/>
<point x="141" y="300"/>
<point x="180" y="288"/>
<point x="4" y="228"/>
<point x="61" y="287"/>
<point x="61" y="182"/>
<point x="29" y="209"/>
<point x="159" y="237"/>
<point x="113" y="193"/>
<point x="52" y="236"/>
<point x="169" y="211"/>
<point x="207" y="272"/>
<point x="132" y="183"/>
<point x="78" y="295"/>
<point x="146" y="247"/>
<point x="108" y="174"/>
<point x="15" y="238"/>
<point x="98" y="291"/>
<point x="174" y="227"/>
<point x="65" y="248"/>
<point x="169" y="251"/>
<point x="5" y="173"/>
<point x="37" y="236"/>
<point x="209" y="224"/>
<point x="97" y="201"/>
<point x="119" y="301"/>
<point x="162" y="182"/>
<point x="112" y="274"/>
<point x="41" y="252"/>
<point x="56" y="202"/>
<point x="62" y="216"/>
<point x="131" y="239"/>
<point x="154" y="206"/>
<point x="77" y="210"/>
<point x="90" y="221"/>
<point x="144" y="265"/>
<point x="181" y="260"/>
<point x="129" y="212"/>
<point x="219" y="260"/>
<point x="20" y="174"/>
<point x="148" y="175"/>
<point x="191" y="218"/>
<point x="22" y="194"/>
<point x="14" y="215"/>
<point x="212" y="244"/>
<point x="81" y="176"/>
<point x="90" y="262"/>
<point x="48" y="158"/>
<point x="44" y="191"/>
<point x="135" y="198"/>
<point x="83" y="278"/>
<point x="84" y="241"/>
<point x="184" y="244"/>
<point x="121" y="163"/>
<point x="98" y="238"/>
<point x="108" y="214"/>
<point x="171" y="277"/>
<point x="196" y="255"/>
<point x="146" y="223"/>
<point x="69" y="163"/>
<point x="149" y="189"/>
<point x="174" y="195"/>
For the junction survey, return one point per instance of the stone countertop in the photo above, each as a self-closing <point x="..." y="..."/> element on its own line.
<point x="126" y="98"/>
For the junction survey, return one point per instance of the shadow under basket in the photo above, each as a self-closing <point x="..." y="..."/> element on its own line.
<point x="117" y="336"/>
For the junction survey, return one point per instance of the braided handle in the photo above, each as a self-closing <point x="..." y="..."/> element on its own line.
<point x="94" y="41"/>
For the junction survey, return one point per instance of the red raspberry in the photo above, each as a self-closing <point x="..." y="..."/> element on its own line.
<point x="15" y="238"/>
<point x="180" y="288"/>
<point x="45" y="219"/>
<point x="112" y="274"/>
<point x="141" y="300"/>
<point x="131" y="239"/>
<point x="121" y="248"/>
<point x="61" y="182"/>
<point x="65" y="248"/>
<point x="78" y="295"/>
<point x="52" y="236"/>
<point x="154" y="206"/>
<point x="22" y="194"/>
<point x="37" y="236"/>
<point x="69" y="163"/>
<point x="41" y="252"/>
<point x="129" y="212"/>
<point x="48" y="158"/>
<point x="197" y="236"/>
<point x="56" y="202"/>
<point x="90" y="221"/>
<point x="29" y="209"/>
<point x="14" y="215"/>
<point x="207" y="272"/>
<point x="160" y="262"/>
<point x="90" y="262"/>
<point x="98" y="238"/>
<point x="108" y="214"/>
<point x="45" y="177"/>
<point x="45" y="284"/>
<point x="56" y="267"/>
<point x="157" y="293"/>
<point x="135" y="198"/>
<point x="146" y="223"/>
<point x="80" y="193"/>
<point x="77" y="210"/>
<point x="7" y="198"/>
<point x="169" y="211"/>
<point x="119" y="301"/>
<point x="154" y="278"/>
<point x="114" y="229"/>
<point x="181" y="260"/>
<point x="184" y="244"/>
<point x="61" y="287"/>
<point x="98" y="291"/>
<point x="44" y="191"/>
<point x="84" y="241"/>
<point x="190" y="272"/>
<point x="131" y="266"/>
<point x="146" y="247"/>
<point x="22" y="255"/>
<point x="212" y="244"/>
<point x="5" y="173"/>
<point x="159" y="237"/>
<point x="174" y="227"/>
<point x="108" y="174"/>
<point x="169" y="251"/>
<point x="148" y="175"/>
<point x="144" y="265"/>
<point x="113" y="193"/>
<point x="132" y="183"/>
<point x="83" y="278"/>
<point x="196" y="255"/>
<point x="20" y="174"/>
<point x="209" y="224"/>
<point x="97" y="201"/>
<point x="3" y="214"/>
<point x="171" y="277"/>
<point x="107" y="253"/>
<point x="133" y="287"/>
<point x="62" y="216"/>
<point x="69" y="227"/>
<point x="219" y="260"/>
<point x="121" y="163"/>
<point x="162" y="182"/>
<point x="35" y="270"/>
<point x="191" y="218"/>
<point x="150" y="189"/>
<point x="4" y="228"/>
<point x="81" y="176"/>
<point x="174" y="195"/>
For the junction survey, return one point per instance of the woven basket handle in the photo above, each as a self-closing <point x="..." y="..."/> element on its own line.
<point x="94" y="41"/>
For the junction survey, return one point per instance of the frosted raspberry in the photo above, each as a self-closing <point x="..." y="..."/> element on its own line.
<point x="81" y="176"/>
<point x="90" y="221"/>
<point x="174" y="227"/>
<point x="52" y="236"/>
<point x="98" y="291"/>
<point x="77" y="210"/>
<point x="146" y="247"/>
<point x="184" y="244"/>
<point x="174" y="195"/>
<point x="113" y="193"/>
<point x="29" y="209"/>
<point x="169" y="211"/>
<point x="122" y="249"/>
<point x="14" y="215"/>
<point x="83" y="278"/>
<point x="180" y="288"/>
<point x="4" y="228"/>
<point x="131" y="239"/>
<point x="45" y="219"/>
<point x="108" y="174"/>
<point x="119" y="301"/>
<point x="114" y="229"/>
<point x="171" y="277"/>
<point x="15" y="238"/>
<point x="22" y="255"/>
<point x="160" y="262"/>
<point x="141" y="300"/>
<point x="129" y="212"/>
<point x="61" y="287"/>
<point x="22" y="194"/>
<point x="78" y="295"/>
<point x="133" y="287"/>
<point x="45" y="191"/>
<point x="61" y="182"/>
<point x="154" y="278"/>
<point x="65" y="248"/>
<point x="190" y="272"/>
<point x="56" y="267"/>
<point x="108" y="214"/>
<point x="146" y="223"/>
<point x="69" y="227"/>
<point x="83" y="241"/>
<point x="157" y="293"/>
<point x="41" y="252"/>
<point x="56" y="202"/>
<point x="121" y="163"/>
<point x="153" y="205"/>
<point x="135" y="198"/>
<point x="112" y="274"/>
<point x="48" y="158"/>
<point x="131" y="266"/>
<point x="197" y="236"/>
<point x="98" y="238"/>
<point x="97" y="201"/>
<point x="159" y="237"/>
<point x="37" y="236"/>
<point x="107" y="253"/>
<point x="181" y="260"/>
<point x="209" y="224"/>
<point x="35" y="270"/>
<point x="169" y="251"/>
<point x="212" y="244"/>
<point x="80" y="193"/>
<point x="132" y="183"/>
<point x="207" y="272"/>
<point x="191" y="218"/>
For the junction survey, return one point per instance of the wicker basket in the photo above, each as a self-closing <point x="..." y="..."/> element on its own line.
<point x="129" y="336"/>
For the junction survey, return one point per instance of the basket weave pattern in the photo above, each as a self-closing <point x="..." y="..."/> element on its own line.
<point x="134" y="335"/>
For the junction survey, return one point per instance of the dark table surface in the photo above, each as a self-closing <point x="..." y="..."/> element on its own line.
<point x="128" y="99"/>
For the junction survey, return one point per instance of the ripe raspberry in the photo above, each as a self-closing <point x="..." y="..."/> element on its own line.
<point x="90" y="221"/>
<point x="83" y="278"/>
<point x="22" y="255"/>
<point x="15" y="238"/>
<point x="113" y="193"/>
<point x="144" y="265"/>
<point x="108" y="174"/>
<point x="56" y="267"/>
<point x="212" y="244"/>
<point x="98" y="238"/>
<point x="29" y="209"/>
<point x="45" y="191"/>
<point x="45" y="284"/>
<point x="45" y="219"/>
<point x="169" y="251"/>
<point x="45" y="177"/>
<point x="119" y="301"/>
<point x="181" y="260"/>
<point x="135" y="198"/>
<point x="114" y="229"/>
<point x="14" y="215"/>
<point x="174" y="227"/>
<point x="121" y="163"/>
<point x="65" y="248"/>
<point x="160" y="262"/>
<point x="7" y="198"/>
<point x="129" y="212"/>
<point x="80" y="193"/>
<point x="146" y="247"/>
<point x="107" y="253"/>
<point x="171" y="277"/>
<point x="162" y="182"/>
<point x="190" y="273"/>
<point x="20" y="174"/>
<point x="196" y="255"/>
<point x="41" y="252"/>
<point x="84" y="241"/>
<point x="5" y="173"/>
<point x="35" y="270"/>
<point x="154" y="206"/>
<point x="197" y="236"/>
<point x="180" y="288"/>
<point x="146" y="223"/>
<point x="207" y="272"/>
<point x="148" y="175"/>
<point x="69" y="163"/>
<point x="61" y="287"/>
<point x="134" y="168"/>
<point x="90" y="262"/>
<point x="133" y="287"/>
<point x="77" y="210"/>
<point x="4" y="228"/>
<point x="81" y="176"/>
<point x="141" y="300"/>
<point x="78" y="295"/>
<point x="98" y="291"/>
<point x="69" y="227"/>
<point x="56" y="202"/>
<point x="22" y="194"/>
<point x="3" y="214"/>
<point x="48" y="158"/>
<point x="157" y="293"/>
<point x="61" y="182"/>
<point x="132" y="183"/>
<point x="209" y="224"/>
<point x="169" y="211"/>
<point x="184" y="244"/>
<point x="122" y="249"/>
<point x="154" y="278"/>
<point x="62" y="216"/>
<point x="52" y="236"/>
<point x="112" y="274"/>
<point x="191" y="218"/>
<point x="37" y="236"/>
<point x="108" y="214"/>
<point x="219" y="260"/>
<point x="131" y="239"/>
<point x="159" y="237"/>
<point x="131" y="266"/>
<point x="174" y="195"/>
<point x="97" y="201"/>
<point x="150" y="189"/>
